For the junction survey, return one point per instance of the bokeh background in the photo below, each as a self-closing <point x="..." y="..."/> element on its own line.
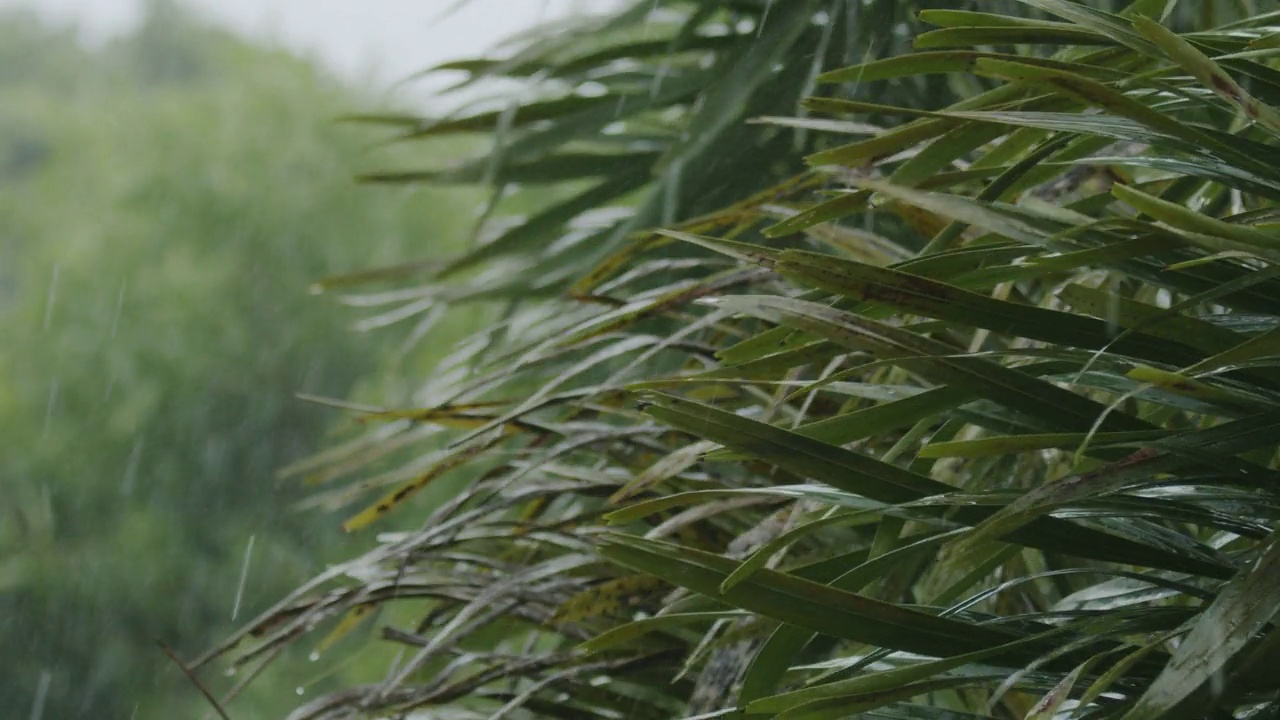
<point x="172" y="179"/>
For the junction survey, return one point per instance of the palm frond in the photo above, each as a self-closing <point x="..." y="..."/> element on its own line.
<point x="973" y="416"/>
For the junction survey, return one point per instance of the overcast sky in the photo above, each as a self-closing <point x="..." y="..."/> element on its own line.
<point x="392" y="38"/>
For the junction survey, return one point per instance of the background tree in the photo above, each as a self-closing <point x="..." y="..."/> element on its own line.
<point x="167" y="200"/>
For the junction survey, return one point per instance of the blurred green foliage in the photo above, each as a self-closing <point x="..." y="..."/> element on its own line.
<point x="166" y="200"/>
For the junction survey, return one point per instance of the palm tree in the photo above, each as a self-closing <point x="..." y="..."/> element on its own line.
<point x="853" y="368"/>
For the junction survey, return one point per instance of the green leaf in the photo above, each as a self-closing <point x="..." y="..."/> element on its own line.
<point x="970" y="36"/>
<point x="1098" y="21"/>
<point x="1118" y="103"/>
<point x="861" y="475"/>
<point x="1182" y="218"/>
<point x="923" y="296"/>
<point x="811" y="605"/>
<point x="624" y="634"/>
<point x="727" y="100"/>
<point x="1243" y="607"/>
<point x="1207" y="72"/>
<point x="1050" y="407"/>
<point x="888" y="680"/>
<point x="1010" y="444"/>
<point x="535" y="233"/>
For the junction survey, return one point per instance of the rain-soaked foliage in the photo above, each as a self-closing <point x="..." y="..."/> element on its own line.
<point x="888" y="358"/>
<point x="165" y="202"/>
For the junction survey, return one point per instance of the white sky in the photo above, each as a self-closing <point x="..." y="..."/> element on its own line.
<point x="390" y="38"/>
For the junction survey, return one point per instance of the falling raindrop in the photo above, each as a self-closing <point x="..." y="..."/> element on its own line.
<point x="244" y="576"/>
<point x="42" y="692"/>
<point x="51" y="297"/>
<point x="131" y="469"/>
<point x="299" y="690"/>
<point x="646" y="25"/>
<point x="671" y="192"/>
<point x="314" y="656"/>
<point x="48" y="407"/>
<point x="115" y="319"/>
<point x="764" y="17"/>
